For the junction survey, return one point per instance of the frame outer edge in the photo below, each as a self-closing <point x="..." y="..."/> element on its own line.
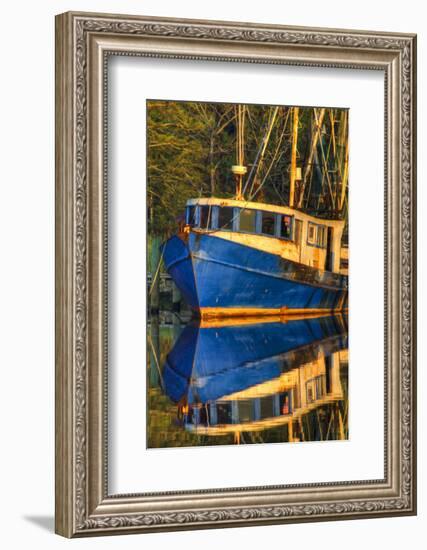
<point x="74" y="506"/>
<point x="64" y="275"/>
<point x="413" y="253"/>
<point x="415" y="265"/>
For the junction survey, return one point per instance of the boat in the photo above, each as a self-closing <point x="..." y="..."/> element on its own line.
<point x="249" y="377"/>
<point x="234" y="258"/>
<point x="241" y="257"/>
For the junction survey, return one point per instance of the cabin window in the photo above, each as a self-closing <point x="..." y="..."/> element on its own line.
<point x="285" y="230"/>
<point x="267" y="407"/>
<point x="311" y="395"/>
<point x="247" y="220"/>
<point x="205" y="217"/>
<point x="223" y="411"/>
<point x="203" y="416"/>
<point x="317" y="235"/>
<point x="268" y="223"/>
<point x="285" y="403"/>
<point x="225" y="218"/>
<point x="311" y="236"/>
<point x="322" y="236"/>
<point x="191" y="215"/>
<point x="320" y="386"/>
<point x="315" y="388"/>
<point x="245" y="411"/>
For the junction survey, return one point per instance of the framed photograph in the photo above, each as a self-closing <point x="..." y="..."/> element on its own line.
<point x="235" y="274"/>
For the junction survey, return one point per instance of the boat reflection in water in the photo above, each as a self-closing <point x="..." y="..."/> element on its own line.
<point x="249" y="381"/>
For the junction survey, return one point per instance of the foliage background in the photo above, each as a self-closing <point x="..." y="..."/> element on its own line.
<point x="192" y="146"/>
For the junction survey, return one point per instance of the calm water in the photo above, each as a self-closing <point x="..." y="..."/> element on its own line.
<point x="262" y="382"/>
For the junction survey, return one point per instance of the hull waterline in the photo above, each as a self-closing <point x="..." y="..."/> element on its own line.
<point x="221" y="278"/>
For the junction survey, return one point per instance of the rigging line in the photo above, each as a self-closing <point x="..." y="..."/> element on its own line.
<point x="322" y="192"/>
<point x="156" y="274"/>
<point x="325" y="166"/>
<point x="274" y="157"/>
<point x="308" y="169"/>
<point x="156" y="361"/>
<point x="282" y="198"/>
<point x="334" y="156"/>
<point x="259" y="188"/>
<point x="264" y="181"/>
<point x="272" y="120"/>
<point x="327" y="160"/>
<point x="260" y="152"/>
<point x="248" y="179"/>
<point x="180" y="319"/>
<point x="253" y="166"/>
<point x="307" y="200"/>
<point x="331" y="417"/>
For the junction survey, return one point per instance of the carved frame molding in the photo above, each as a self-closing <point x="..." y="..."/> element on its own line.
<point x="83" y="44"/>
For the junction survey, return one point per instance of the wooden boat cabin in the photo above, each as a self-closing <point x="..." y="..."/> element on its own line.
<point x="279" y="230"/>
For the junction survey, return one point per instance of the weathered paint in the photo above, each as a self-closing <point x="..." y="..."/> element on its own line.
<point x="217" y="275"/>
<point x="179" y="265"/>
<point x="296" y="249"/>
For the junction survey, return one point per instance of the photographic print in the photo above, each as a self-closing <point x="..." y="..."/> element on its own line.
<point x="247" y="273"/>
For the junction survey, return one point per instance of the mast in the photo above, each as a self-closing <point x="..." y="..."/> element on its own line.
<point x="293" y="174"/>
<point x="239" y="170"/>
<point x="344" y="180"/>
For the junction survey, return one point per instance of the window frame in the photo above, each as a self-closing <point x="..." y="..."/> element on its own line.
<point x="323" y="231"/>
<point x="279" y="227"/>
<point x="210" y="220"/>
<point x="233" y="217"/>
<point x="187" y="215"/>
<point x="260" y="214"/>
<point x="252" y="210"/>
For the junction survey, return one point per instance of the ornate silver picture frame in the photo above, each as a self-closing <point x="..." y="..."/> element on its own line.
<point x="84" y="43"/>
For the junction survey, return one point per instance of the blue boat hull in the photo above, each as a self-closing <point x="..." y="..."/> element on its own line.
<point x="216" y="275"/>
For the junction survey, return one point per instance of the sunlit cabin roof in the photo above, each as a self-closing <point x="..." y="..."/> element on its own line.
<point x="214" y="201"/>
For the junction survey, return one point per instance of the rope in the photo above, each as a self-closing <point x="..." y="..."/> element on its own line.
<point x="156" y="361"/>
<point x="156" y="274"/>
